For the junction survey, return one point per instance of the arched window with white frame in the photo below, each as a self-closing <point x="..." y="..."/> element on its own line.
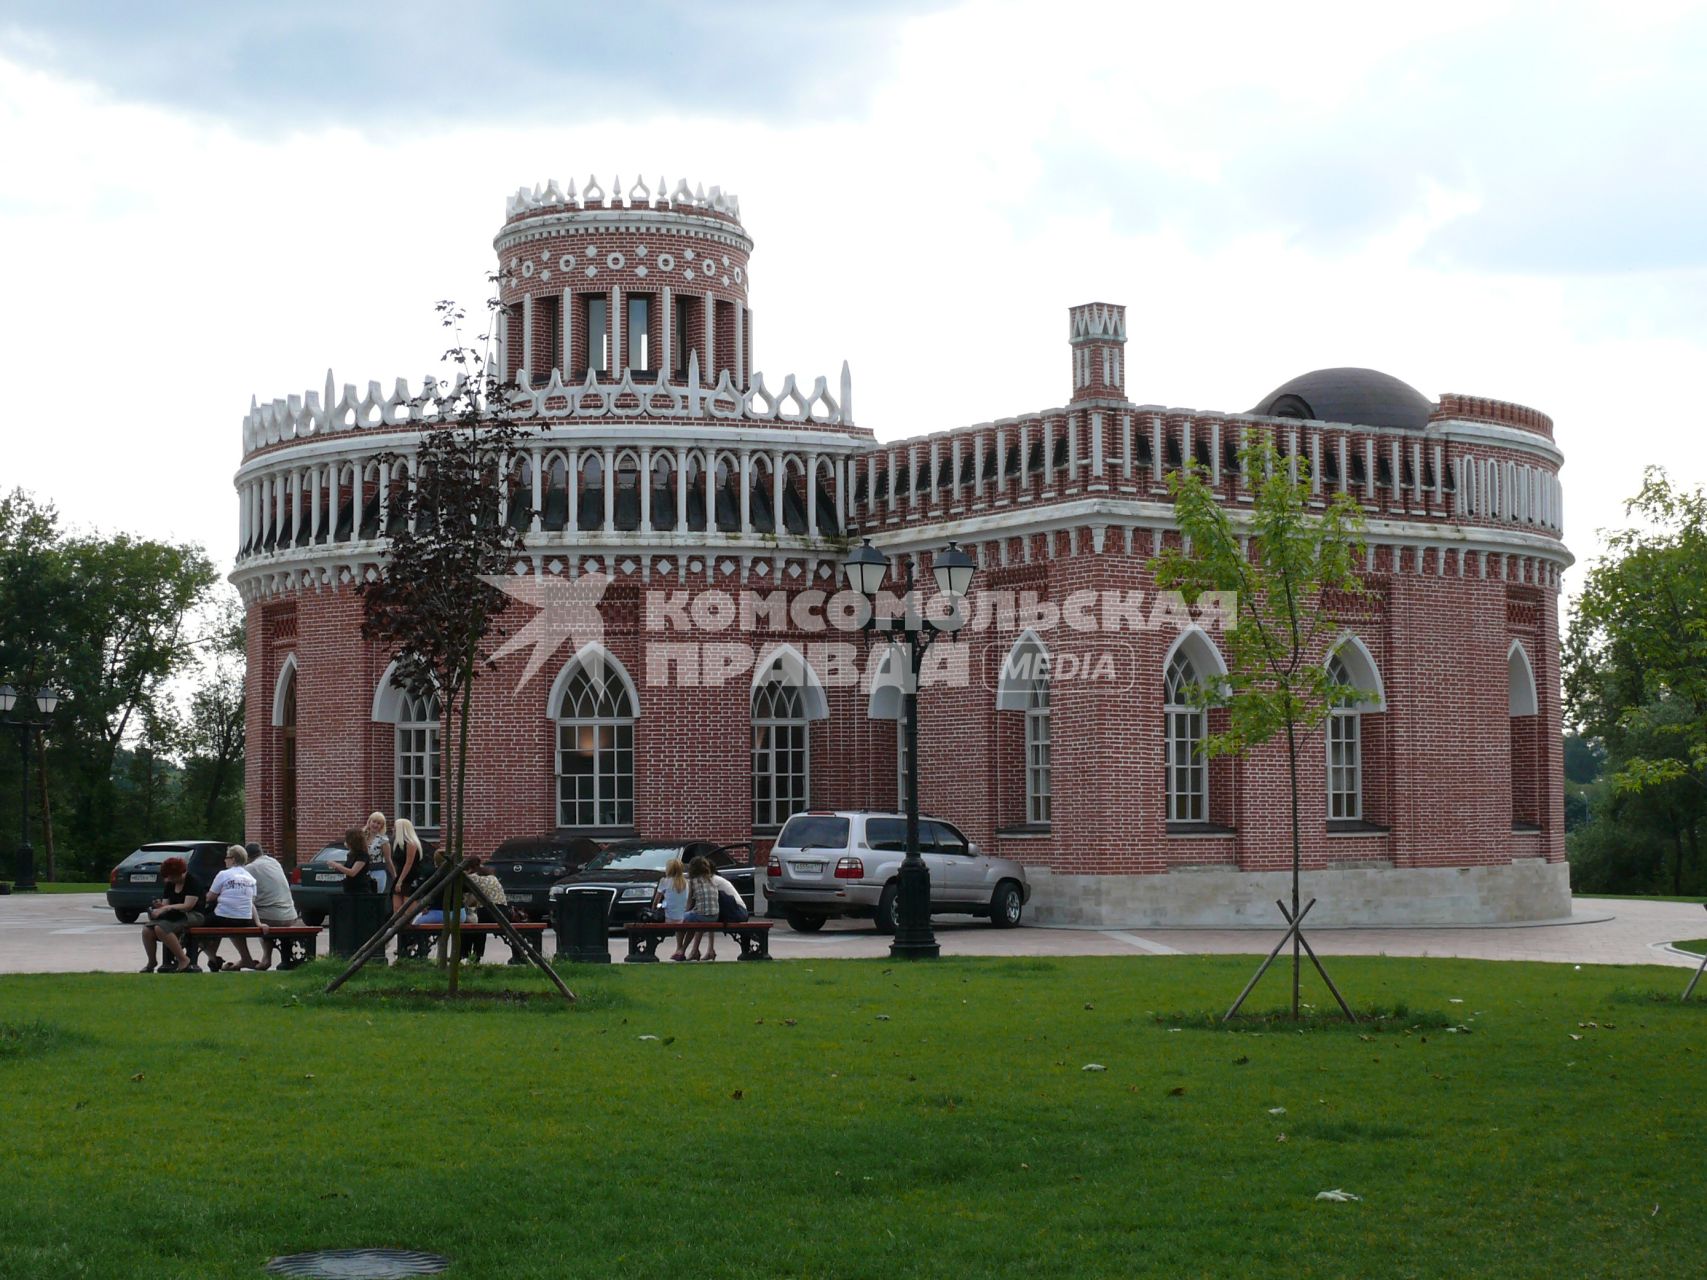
<point x="1357" y="746"/>
<point x="1345" y="750"/>
<point x="417" y="762"/>
<point x="1024" y="686"/>
<point x="1037" y="793"/>
<point x="787" y="696"/>
<point x="782" y="776"/>
<point x="415" y="719"/>
<point x="1185" y="728"/>
<point x="595" y="709"/>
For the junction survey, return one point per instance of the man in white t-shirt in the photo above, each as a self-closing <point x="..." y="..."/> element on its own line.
<point x="273" y="903"/>
<point x="233" y="896"/>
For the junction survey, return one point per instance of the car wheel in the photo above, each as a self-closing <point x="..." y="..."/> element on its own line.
<point x="1006" y="905"/>
<point x="885" y="921"/>
<point x="127" y="915"/>
<point x="313" y="919"/>
<point x="801" y="922"/>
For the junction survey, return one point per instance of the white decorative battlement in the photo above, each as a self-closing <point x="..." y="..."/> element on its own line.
<point x="552" y="196"/>
<point x="1096" y="320"/>
<point x="314" y="413"/>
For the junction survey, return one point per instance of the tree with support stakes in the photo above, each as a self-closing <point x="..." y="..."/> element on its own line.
<point x="432" y="602"/>
<point x="1280" y="559"/>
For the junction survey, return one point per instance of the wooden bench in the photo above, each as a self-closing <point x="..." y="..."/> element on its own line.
<point x="752" y="936"/>
<point x="296" y="942"/>
<point x="415" y="941"/>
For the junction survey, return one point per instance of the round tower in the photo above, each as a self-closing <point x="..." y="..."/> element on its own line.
<point x="649" y="283"/>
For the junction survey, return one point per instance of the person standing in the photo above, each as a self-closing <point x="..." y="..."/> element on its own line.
<point x="406" y="863"/>
<point x="354" y="868"/>
<point x="273" y="903"/>
<point x="379" y="848"/>
<point x="172" y="916"/>
<point x="233" y="895"/>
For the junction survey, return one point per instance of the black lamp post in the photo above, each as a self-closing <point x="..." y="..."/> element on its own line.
<point x="866" y="569"/>
<point x="47" y="701"/>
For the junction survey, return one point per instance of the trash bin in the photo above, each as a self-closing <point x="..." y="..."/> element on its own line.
<point x="581" y="919"/>
<point x="356" y="917"/>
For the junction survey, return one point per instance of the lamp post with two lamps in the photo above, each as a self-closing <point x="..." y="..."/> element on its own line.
<point x="47" y="701"/>
<point x="867" y="568"/>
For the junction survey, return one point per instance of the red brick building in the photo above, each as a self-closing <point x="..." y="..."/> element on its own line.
<point x="708" y="514"/>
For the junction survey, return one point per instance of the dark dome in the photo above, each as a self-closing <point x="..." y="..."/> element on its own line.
<point x="1362" y="397"/>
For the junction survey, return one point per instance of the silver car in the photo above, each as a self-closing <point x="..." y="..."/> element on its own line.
<point x="844" y="863"/>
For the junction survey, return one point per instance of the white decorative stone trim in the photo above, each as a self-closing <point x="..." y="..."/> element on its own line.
<point x="314" y="413"/>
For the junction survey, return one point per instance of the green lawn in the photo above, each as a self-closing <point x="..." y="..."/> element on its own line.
<point x="858" y="1118"/>
<point x="72" y="886"/>
<point x="1697" y="945"/>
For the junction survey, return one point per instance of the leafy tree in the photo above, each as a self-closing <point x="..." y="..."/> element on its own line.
<point x="433" y="603"/>
<point x="126" y="627"/>
<point x="104" y="620"/>
<point x="1635" y="668"/>
<point x="211" y="732"/>
<point x="1279" y="559"/>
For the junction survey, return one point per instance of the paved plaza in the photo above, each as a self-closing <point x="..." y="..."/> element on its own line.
<point x="76" y="933"/>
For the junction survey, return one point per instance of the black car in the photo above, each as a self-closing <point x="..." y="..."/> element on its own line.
<point x="135" y="884"/>
<point x="314" y="887"/>
<point x="631" y="869"/>
<point x="527" y="867"/>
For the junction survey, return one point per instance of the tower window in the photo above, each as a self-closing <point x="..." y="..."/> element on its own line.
<point x="597" y="328"/>
<point x="639" y="331"/>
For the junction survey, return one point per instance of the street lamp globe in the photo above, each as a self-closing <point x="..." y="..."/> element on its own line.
<point x="866" y="568"/>
<point x="47" y="699"/>
<point x="953" y="569"/>
<point x="8" y="697"/>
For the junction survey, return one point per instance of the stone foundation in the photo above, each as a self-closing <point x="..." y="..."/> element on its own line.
<point x="1525" y="890"/>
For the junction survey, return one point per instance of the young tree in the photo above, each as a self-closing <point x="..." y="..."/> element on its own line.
<point x="1279" y="559"/>
<point x="432" y="603"/>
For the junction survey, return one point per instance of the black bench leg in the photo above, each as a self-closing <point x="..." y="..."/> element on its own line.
<point x="754" y="943"/>
<point x="643" y="948"/>
<point x="291" y="951"/>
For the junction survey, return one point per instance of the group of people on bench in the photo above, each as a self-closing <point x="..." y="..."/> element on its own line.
<point x="696" y="894"/>
<point x="252" y="891"/>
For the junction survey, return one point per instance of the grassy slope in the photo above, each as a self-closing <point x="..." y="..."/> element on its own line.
<point x="71" y="886"/>
<point x="911" y="1121"/>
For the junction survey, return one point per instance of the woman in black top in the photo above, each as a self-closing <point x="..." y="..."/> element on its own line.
<point x="354" y="868"/>
<point x="170" y="916"/>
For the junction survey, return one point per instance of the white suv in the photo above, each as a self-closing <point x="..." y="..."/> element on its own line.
<point x="844" y="863"/>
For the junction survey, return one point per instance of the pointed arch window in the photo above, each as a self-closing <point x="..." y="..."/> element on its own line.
<point x="1345" y="750"/>
<point x="287" y="766"/>
<point x="1037" y="802"/>
<point x="782" y="754"/>
<point x="595" y="749"/>
<point x="417" y="759"/>
<point x="1187" y="772"/>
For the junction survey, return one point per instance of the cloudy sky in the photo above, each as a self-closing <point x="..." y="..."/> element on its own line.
<point x="204" y="201"/>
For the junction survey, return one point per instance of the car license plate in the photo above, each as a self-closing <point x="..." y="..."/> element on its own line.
<point x="329" y="877"/>
<point x="811" y="868"/>
<point x="142" y="879"/>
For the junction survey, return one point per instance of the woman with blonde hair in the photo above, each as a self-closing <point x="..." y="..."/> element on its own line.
<point x="672" y="895"/>
<point x="404" y="856"/>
